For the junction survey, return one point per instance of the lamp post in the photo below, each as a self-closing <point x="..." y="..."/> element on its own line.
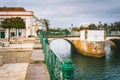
<point x="71" y="28"/>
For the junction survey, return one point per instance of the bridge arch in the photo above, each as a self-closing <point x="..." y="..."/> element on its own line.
<point x="68" y="40"/>
<point x="61" y="47"/>
<point x="115" y="43"/>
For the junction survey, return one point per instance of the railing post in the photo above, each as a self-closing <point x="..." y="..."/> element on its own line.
<point x="46" y="41"/>
<point x="41" y="36"/>
<point x="68" y="69"/>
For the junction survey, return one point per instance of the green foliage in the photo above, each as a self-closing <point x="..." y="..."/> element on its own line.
<point x="79" y="28"/>
<point x="17" y="23"/>
<point x="46" y="23"/>
<point x="6" y="23"/>
<point x="92" y="27"/>
<point x="117" y="26"/>
<point x="58" y="31"/>
<point x="9" y="23"/>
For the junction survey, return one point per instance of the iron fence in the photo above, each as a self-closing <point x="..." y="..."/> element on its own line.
<point x="58" y="69"/>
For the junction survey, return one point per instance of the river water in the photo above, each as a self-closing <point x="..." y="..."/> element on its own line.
<point x="89" y="68"/>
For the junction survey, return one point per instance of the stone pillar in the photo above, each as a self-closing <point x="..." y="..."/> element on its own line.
<point x="17" y="32"/>
<point x="7" y="33"/>
<point x="1" y="61"/>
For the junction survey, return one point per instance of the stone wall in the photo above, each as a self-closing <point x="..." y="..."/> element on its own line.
<point x="16" y="56"/>
<point x="90" y="48"/>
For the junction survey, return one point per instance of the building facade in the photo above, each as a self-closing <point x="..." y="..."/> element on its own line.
<point x="32" y="24"/>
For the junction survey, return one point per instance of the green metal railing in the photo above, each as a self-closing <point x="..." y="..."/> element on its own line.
<point x="58" y="69"/>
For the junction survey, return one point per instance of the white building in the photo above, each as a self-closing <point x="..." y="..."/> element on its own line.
<point x="32" y="23"/>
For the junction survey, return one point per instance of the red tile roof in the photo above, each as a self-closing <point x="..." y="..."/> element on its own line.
<point x="12" y="9"/>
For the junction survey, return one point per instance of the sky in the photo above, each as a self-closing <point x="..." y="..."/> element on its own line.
<point x="63" y="13"/>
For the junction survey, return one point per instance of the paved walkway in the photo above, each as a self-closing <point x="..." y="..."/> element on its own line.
<point x="37" y="70"/>
<point x="37" y="55"/>
<point x="14" y="71"/>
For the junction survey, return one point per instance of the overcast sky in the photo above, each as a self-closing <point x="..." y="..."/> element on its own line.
<point x="63" y="13"/>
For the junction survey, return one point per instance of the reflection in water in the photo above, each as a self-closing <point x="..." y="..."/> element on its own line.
<point x="61" y="47"/>
<point x="88" y="68"/>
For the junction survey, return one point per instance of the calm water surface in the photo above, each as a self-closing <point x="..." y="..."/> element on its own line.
<point x="88" y="68"/>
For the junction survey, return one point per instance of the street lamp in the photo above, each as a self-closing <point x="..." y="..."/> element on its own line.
<point x="71" y="28"/>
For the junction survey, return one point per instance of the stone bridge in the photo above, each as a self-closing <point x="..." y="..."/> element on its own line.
<point x="94" y="49"/>
<point x="91" y="42"/>
<point x="71" y="39"/>
<point x="116" y="42"/>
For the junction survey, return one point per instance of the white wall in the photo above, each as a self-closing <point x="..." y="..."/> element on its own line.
<point x="93" y="35"/>
<point x="82" y="35"/>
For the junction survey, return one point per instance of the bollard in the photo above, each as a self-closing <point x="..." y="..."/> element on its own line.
<point x="68" y="69"/>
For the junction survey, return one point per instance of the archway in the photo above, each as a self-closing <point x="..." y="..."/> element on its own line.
<point x="61" y="47"/>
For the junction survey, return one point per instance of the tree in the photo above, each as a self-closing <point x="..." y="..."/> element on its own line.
<point x="18" y="23"/>
<point x="92" y="27"/>
<point x="9" y="23"/>
<point x="112" y="27"/>
<point x="45" y="23"/>
<point x="117" y="26"/>
<point x="105" y="26"/>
